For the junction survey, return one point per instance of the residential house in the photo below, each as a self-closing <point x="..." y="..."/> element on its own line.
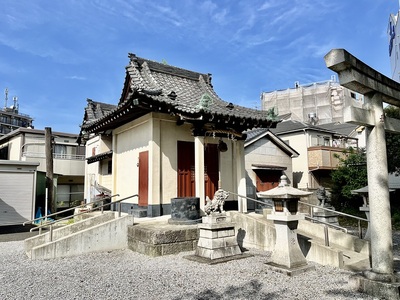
<point x="318" y="148"/>
<point x="28" y="145"/>
<point x="267" y="158"/>
<point x="170" y="136"/>
<point x="98" y="169"/>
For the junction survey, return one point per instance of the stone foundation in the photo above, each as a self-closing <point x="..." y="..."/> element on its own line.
<point x="158" y="240"/>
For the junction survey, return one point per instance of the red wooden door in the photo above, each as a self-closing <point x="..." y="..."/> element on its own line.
<point x="186" y="176"/>
<point x="211" y="171"/>
<point x="143" y="178"/>
<point x="267" y="180"/>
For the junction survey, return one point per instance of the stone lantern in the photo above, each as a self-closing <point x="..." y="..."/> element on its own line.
<point x="287" y="256"/>
<point x="365" y="208"/>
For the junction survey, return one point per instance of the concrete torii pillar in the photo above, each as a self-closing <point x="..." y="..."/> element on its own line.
<point x="376" y="88"/>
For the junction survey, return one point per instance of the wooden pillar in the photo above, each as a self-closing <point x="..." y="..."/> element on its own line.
<point x="154" y="204"/>
<point x="240" y="175"/>
<point x="378" y="190"/>
<point x="49" y="170"/>
<point x="199" y="169"/>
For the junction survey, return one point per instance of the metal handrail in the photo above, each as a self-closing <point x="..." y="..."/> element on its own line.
<point x="339" y="213"/>
<point x="50" y="224"/>
<point x="335" y="211"/>
<point x="65" y="210"/>
<point x="311" y="217"/>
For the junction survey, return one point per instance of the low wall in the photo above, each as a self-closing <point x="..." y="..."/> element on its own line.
<point x="254" y="231"/>
<point x="111" y="235"/>
<point x="96" y="218"/>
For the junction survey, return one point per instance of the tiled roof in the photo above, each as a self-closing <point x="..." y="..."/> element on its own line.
<point x="342" y="128"/>
<point x="294" y="126"/>
<point x="258" y="133"/>
<point x="153" y="86"/>
<point x="96" y="110"/>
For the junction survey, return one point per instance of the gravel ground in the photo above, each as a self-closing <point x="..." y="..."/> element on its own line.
<point x="125" y="274"/>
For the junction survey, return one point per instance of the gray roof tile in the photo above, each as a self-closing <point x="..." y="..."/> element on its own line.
<point x="149" y="83"/>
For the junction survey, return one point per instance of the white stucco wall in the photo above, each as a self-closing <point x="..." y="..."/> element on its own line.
<point x="137" y="136"/>
<point x="300" y="142"/>
<point x="265" y="152"/>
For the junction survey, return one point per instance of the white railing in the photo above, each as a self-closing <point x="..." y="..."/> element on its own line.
<point x="55" y="155"/>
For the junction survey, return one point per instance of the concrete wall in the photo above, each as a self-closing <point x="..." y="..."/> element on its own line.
<point x="110" y="235"/>
<point x="254" y="231"/>
<point x="58" y="233"/>
<point x="336" y="237"/>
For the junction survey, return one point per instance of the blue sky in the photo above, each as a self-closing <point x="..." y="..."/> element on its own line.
<point x="56" y="54"/>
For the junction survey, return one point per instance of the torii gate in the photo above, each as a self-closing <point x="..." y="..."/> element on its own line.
<point x="376" y="88"/>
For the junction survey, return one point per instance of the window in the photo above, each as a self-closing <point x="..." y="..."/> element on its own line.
<point x="60" y="151"/>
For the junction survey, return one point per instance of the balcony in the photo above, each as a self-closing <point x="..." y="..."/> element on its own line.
<point x="64" y="164"/>
<point x="323" y="157"/>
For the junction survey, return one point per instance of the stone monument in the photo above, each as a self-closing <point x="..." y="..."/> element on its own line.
<point x="287" y="257"/>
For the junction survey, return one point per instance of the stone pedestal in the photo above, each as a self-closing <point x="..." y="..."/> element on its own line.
<point x="217" y="237"/>
<point x="365" y="209"/>
<point x="287" y="257"/>
<point x="325" y="216"/>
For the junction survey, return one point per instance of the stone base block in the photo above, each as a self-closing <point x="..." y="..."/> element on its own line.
<point x="157" y="240"/>
<point x="161" y="249"/>
<point x="209" y="261"/>
<point x="375" y="288"/>
<point x="290" y="271"/>
<point x="217" y="238"/>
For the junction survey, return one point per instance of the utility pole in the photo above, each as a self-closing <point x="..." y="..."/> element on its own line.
<point x="49" y="169"/>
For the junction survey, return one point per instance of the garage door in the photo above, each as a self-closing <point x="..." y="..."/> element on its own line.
<point x="16" y="197"/>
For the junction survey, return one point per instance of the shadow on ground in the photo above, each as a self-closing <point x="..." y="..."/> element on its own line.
<point x="250" y="290"/>
<point x="16" y="233"/>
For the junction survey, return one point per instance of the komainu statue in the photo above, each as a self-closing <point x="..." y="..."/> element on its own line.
<point x="322" y="196"/>
<point x="217" y="203"/>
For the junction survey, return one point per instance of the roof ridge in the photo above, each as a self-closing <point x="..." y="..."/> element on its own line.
<point x="168" y="69"/>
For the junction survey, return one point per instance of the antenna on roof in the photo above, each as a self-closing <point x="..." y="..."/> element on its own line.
<point x="15" y="107"/>
<point x="6" y="98"/>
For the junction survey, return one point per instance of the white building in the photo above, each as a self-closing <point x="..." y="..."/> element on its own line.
<point x="28" y="145"/>
<point x="316" y="103"/>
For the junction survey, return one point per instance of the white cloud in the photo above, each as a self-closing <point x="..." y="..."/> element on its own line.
<point x="75" y="77"/>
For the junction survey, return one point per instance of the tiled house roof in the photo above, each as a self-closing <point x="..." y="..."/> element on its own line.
<point x="152" y="86"/>
<point x="295" y="126"/>
<point x="259" y="133"/>
<point x="96" y="110"/>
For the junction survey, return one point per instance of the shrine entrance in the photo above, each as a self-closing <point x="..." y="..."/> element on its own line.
<point x="186" y="169"/>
